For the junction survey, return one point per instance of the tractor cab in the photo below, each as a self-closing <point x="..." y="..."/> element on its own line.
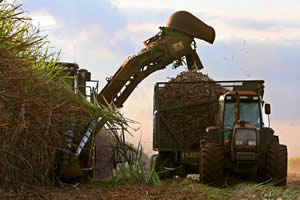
<point x="243" y="106"/>
<point x="241" y="141"/>
<point x="240" y="119"/>
<point x="239" y="123"/>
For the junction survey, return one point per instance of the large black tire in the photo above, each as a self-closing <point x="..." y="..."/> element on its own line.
<point x="276" y="164"/>
<point x="212" y="165"/>
<point x="159" y="162"/>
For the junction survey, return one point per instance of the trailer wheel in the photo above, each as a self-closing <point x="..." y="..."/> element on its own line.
<point x="212" y="165"/>
<point x="276" y="164"/>
<point x="159" y="163"/>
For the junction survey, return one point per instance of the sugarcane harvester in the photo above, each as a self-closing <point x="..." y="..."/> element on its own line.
<point x="171" y="45"/>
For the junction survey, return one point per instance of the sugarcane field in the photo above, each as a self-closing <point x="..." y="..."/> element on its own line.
<point x="138" y="99"/>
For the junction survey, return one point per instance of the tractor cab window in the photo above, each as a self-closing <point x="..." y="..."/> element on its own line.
<point x="249" y="111"/>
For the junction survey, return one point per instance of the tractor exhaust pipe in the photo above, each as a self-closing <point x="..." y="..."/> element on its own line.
<point x="238" y="106"/>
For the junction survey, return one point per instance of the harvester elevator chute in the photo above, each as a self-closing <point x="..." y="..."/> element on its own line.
<point x="172" y="44"/>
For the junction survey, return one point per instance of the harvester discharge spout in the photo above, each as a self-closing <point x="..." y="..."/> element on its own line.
<point x="189" y="24"/>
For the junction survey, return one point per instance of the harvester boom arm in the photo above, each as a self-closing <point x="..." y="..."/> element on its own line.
<point x="171" y="44"/>
<point x="138" y="67"/>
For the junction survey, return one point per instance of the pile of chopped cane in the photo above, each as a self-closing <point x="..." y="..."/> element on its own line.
<point x="189" y="101"/>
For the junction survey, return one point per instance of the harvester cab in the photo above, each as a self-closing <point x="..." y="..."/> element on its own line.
<point x="80" y="82"/>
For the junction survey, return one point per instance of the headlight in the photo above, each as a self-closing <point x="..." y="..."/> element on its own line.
<point x="252" y="142"/>
<point x="238" y="142"/>
<point x="245" y="136"/>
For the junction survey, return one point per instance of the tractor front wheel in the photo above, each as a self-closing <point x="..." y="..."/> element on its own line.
<point x="212" y="165"/>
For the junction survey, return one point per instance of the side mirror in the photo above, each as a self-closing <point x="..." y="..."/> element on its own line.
<point x="267" y="108"/>
<point x="215" y="135"/>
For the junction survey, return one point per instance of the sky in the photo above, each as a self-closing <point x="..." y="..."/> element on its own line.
<point x="254" y="40"/>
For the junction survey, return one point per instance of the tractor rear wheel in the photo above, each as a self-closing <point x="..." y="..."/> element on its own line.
<point x="276" y="164"/>
<point x="212" y="165"/>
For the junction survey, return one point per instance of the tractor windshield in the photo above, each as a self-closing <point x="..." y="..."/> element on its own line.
<point x="249" y="111"/>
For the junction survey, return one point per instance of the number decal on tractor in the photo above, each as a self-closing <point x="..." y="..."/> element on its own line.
<point x="190" y="154"/>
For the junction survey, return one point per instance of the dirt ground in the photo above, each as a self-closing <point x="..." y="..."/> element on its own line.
<point x="171" y="189"/>
<point x="294" y="166"/>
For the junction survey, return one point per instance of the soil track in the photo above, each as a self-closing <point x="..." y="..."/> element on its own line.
<point x="294" y="166"/>
<point x="173" y="189"/>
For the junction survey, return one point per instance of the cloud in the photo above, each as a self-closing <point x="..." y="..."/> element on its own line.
<point x="232" y="8"/>
<point x="142" y="27"/>
<point x="263" y="31"/>
<point x="145" y="5"/>
<point x="264" y="24"/>
<point x="134" y="35"/>
<point x="15" y="1"/>
<point x="254" y="21"/>
<point x="89" y="46"/>
<point x="44" y="20"/>
<point x="104" y="52"/>
<point x="81" y="12"/>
